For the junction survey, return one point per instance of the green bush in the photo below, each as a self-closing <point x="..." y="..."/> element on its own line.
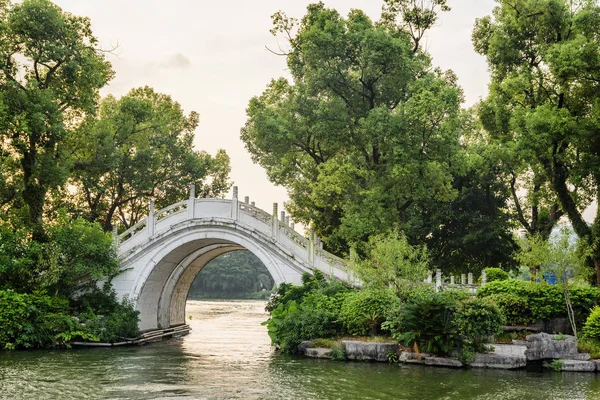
<point x="363" y="312"/>
<point x="591" y="329"/>
<point x="476" y="320"/>
<point x="526" y="302"/>
<point x="496" y="274"/>
<point x="426" y="321"/>
<point x="38" y="320"/>
<point x="513" y="307"/>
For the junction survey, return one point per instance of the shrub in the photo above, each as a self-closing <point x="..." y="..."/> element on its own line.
<point x="591" y="329"/>
<point x="363" y="312"/>
<point x="535" y="300"/>
<point x="496" y="274"/>
<point x="514" y="308"/>
<point x="476" y="320"/>
<point x="426" y="322"/>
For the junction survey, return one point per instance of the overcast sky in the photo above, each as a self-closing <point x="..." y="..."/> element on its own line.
<point x="210" y="56"/>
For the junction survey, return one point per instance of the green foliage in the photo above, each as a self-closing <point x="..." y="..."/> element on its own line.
<point x="392" y="262"/>
<point x="51" y="69"/>
<point x="142" y="131"/>
<point x="542" y="109"/>
<point x="526" y="302"/>
<point x="496" y="274"/>
<point x="585" y="345"/>
<point x="232" y="275"/>
<point x="591" y="329"/>
<point x="426" y="321"/>
<point x="555" y="365"/>
<point x="476" y="320"/>
<point x="338" y="353"/>
<point x="363" y="312"/>
<point x="353" y="78"/>
<point x="305" y="312"/>
<point x="37" y="320"/>
<point x="111" y="320"/>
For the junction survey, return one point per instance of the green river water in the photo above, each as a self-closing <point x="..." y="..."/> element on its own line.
<point x="227" y="356"/>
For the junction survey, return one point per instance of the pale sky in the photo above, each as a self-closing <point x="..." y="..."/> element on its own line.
<point x="210" y="56"/>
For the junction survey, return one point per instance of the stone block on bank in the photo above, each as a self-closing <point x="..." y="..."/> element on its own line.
<point x="317" y="352"/>
<point x="498" y="361"/>
<point x="305" y="345"/>
<point x="427" y="359"/>
<point x="578" y="366"/>
<point x="542" y="346"/>
<point x="370" y="351"/>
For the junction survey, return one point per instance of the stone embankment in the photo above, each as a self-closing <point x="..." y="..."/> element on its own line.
<point x="558" y="352"/>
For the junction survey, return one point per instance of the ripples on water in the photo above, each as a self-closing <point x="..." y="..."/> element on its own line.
<point x="228" y="356"/>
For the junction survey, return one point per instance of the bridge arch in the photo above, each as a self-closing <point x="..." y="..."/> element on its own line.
<point x="161" y="255"/>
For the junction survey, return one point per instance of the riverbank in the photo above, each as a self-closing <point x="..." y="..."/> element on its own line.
<point x="537" y="351"/>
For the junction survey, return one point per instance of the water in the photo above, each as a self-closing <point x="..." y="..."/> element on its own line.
<point x="228" y="356"/>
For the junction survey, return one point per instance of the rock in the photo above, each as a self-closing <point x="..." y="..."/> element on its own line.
<point x="579" y="357"/>
<point x="304" y="345"/>
<point x="317" y="352"/>
<point x="443" y="362"/>
<point x="411" y="358"/>
<point x="510" y="350"/>
<point x="498" y="361"/>
<point x="542" y="346"/>
<point x="427" y="359"/>
<point x="372" y="351"/>
<point x="575" y="366"/>
<point x="597" y="363"/>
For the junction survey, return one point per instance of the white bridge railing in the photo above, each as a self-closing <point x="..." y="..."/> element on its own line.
<point x="307" y="250"/>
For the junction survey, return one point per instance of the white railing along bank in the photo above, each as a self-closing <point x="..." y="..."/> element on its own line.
<point x="308" y="250"/>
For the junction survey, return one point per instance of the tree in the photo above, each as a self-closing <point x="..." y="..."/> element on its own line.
<point x="364" y="135"/>
<point x="50" y="74"/>
<point x="234" y="274"/>
<point x="138" y="147"/>
<point x="559" y="256"/>
<point x="544" y="56"/>
<point x="392" y="263"/>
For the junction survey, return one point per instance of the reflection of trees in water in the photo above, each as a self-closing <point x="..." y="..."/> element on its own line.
<point x="238" y="274"/>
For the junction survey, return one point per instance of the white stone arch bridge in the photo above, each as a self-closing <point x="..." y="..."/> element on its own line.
<point x="161" y="255"/>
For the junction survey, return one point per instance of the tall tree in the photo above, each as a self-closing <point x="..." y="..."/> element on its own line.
<point x="50" y="72"/>
<point x="137" y="147"/>
<point x="544" y="56"/>
<point x="364" y="134"/>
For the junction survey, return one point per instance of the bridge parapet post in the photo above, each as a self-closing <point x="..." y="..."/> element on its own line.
<point x="275" y="222"/>
<point x="191" y="205"/>
<point x="151" y="220"/>
<point x="235" y="209"/>
<point x="115" y="234"/>
<point x="310" y="256"/>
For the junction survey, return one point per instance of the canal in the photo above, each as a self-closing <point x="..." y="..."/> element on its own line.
<point x="228" y="356"/>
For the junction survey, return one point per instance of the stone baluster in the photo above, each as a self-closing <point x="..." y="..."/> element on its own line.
<point x="282" y="219"/>
<point x="470" y="278"/>
<point x="292" y="225"/>
<point x="287" y="220"/>
<point x="115" y="233"/>
<point x="253" y="204"/>
<point x="150" y="222"/>
<point x="234" y="204"/>
<point x="311" y="248"/>
<point x="191" y="205"/>
<point x="452" y="279"/>
<point x="463" y="279"/>
<point x="247" y="199"/>
<point x="438" y="280"/>
<point x="274" y="222"/>
<point x="483" y="277"/>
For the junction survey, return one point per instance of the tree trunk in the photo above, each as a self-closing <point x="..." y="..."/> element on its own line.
<point x="596" y="261"/>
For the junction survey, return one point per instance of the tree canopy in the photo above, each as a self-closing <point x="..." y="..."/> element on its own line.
<point x="543" y="105"/>
<point x="50" y="72"/>
<point x="139" y="147"/>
